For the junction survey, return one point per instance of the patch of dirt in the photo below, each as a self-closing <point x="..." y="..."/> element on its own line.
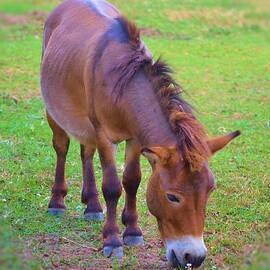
<point x="34" y="16"/>
<point x="215" y="16"/>
<point x="64" y="253"/>
<point x="261" y="4"/>
<point x="8" y="19"/>
<point x="152" y="32"/>
<point x="221" y="17"/>
<point x="241" y="116"/>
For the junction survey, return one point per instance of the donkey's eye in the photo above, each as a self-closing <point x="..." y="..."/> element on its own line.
<point x="173" y="198"/>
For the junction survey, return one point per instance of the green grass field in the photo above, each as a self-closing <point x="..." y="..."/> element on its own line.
<point x="220" y="51"/>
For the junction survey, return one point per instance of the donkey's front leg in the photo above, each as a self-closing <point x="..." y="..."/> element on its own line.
<point x="131" y="180"/>
<point x="112" y="189"/>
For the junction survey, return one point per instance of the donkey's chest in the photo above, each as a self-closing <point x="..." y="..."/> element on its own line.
<point x="111" y="119"/>
<point x="115" y="136"/>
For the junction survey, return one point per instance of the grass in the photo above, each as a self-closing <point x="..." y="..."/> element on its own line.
<point x="220" y="51"/>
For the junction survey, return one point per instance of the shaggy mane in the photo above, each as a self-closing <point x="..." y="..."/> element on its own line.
<point x="190" y="133"/>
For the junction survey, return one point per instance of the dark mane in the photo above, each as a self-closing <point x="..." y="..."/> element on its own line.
<point x="190" y="133"/>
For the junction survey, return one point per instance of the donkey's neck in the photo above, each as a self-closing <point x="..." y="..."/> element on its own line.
<point x="149" y="123"/>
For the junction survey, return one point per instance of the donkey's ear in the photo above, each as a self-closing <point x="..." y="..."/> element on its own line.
<point x="218" y="143"/>
<point x="156" y="154"/>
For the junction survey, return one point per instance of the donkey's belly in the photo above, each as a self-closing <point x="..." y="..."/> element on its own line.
<point x="73" y="121"/>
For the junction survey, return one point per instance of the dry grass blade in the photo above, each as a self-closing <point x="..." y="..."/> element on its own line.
<point x="78" y="244"/>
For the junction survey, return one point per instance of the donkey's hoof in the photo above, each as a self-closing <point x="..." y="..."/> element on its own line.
<point x="133" y="240"/>
<point x="56" y="211"/>
<point x="110" y="251"/>
<point x="99" y="216"/>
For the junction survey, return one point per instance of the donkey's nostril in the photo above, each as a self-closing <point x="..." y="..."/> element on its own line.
<point x="187" y="257"/>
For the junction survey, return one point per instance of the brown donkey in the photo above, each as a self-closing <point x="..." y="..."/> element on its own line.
<point x="101" y="86"/>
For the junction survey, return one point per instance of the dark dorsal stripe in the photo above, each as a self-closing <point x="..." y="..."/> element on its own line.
<point x="117" y="32"/>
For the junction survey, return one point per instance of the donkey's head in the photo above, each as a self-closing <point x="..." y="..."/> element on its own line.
<point x="177" y="197"/>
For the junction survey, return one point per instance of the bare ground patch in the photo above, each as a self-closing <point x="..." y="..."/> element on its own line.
<point x="34" y="16"/>
<point x="262" y="4"/>
<point x="219" y="17"/>
<point x="212" y="16"/>
<point x="152" y="32"/>
<point x="57" y="252"/>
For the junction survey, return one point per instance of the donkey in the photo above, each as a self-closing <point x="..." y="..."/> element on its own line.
<point x="101" y="86"/>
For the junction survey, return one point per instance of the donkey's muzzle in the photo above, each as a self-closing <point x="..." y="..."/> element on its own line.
<point x="186" y="252"/>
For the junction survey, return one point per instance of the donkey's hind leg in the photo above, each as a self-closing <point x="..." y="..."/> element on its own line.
<point x="89" y="192"/>
<point x="131" y="180"/>
<point x="59" y="189"/>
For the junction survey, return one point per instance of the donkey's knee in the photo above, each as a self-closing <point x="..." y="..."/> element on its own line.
<point x="112" y="189"/>
<point x="131" y="182"/>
